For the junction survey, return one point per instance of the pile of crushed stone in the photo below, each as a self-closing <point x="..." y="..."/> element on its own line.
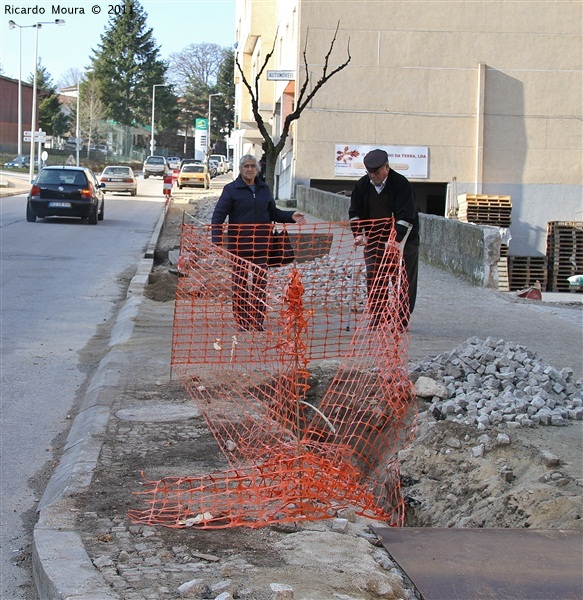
<point x="491" y="382"/>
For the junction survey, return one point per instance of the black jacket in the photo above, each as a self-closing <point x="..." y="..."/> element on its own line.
<point x="401" y="204"/>
<point x="250" y="214"/>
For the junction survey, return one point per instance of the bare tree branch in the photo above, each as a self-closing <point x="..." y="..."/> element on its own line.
<point x="273" y="150"/>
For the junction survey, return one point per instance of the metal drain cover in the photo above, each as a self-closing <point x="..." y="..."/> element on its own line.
<point x="158" y="413"/>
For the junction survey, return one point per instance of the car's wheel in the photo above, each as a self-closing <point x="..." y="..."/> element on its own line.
<point x="93" y="215"/>
<point x="134" y="192"/>
<point x="30" y="215"/>
<point x="146" y="176"/>
<point x="179" y="187"/>
<point x="207" y="185"/>
<point x="101" y="213"/>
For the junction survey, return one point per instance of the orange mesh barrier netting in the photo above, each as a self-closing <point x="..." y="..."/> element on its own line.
<point x="300" y="372"/>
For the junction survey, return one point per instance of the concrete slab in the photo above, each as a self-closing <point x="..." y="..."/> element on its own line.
<point x="493" y="564"/>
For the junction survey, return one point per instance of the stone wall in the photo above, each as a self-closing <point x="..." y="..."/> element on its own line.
<point x="467" y="250"/>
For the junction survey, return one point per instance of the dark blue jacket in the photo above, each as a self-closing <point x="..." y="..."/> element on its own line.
<point x="250" y="215"/>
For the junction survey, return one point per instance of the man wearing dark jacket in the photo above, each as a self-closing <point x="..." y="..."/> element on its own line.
<point x="248" y="205"/>
<point x="385" y="194"/>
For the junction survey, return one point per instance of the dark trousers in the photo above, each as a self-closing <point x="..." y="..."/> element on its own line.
<point x="389" y="280"/>
<point x="249" y="286"/>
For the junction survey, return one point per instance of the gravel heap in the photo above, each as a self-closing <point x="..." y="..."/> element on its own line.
<point x="493" y="383"/>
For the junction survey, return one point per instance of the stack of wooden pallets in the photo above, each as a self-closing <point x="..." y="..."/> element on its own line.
<point x="485" y="209"/>
<point x="564" y="254"/>
<point x="524" y="271"/>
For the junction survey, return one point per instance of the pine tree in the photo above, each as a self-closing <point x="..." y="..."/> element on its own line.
<point x="127" y="64"/>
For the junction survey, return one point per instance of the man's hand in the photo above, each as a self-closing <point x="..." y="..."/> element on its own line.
<point x="298" y="217"/>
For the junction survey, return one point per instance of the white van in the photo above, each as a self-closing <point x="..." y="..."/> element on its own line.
<point x="222" y="161"/>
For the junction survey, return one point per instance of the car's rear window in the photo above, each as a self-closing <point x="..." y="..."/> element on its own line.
<point x="158" y="160"/>
<point x="116" y="171"/>
<point x="63" y="177"/>
<point x="193" y="169"/>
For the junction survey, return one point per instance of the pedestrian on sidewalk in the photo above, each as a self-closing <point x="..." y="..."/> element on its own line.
<point x="383" y="199"/>
<point x="249" y="206"/>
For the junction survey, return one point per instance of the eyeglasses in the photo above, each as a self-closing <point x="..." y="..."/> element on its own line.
<point x="249" y="166"/>
<point x="374" y="171"/>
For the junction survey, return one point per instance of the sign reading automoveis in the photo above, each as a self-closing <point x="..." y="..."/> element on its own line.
<point x="411" y="161"/>
<point x="281" y="75"/>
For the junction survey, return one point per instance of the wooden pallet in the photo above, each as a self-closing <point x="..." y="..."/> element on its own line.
<point x="484" y="209"/>
<point x="503" y="281"/>
<point x="524" y="271"/>
<point x="564" y="254"/>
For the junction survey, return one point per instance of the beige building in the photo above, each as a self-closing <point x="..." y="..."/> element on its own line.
<point x="481" y="97"/>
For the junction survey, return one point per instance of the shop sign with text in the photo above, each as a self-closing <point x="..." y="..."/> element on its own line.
<point x="411" y="161"/>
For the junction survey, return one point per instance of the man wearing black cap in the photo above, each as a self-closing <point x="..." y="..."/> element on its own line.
<point x="385" y="194"/>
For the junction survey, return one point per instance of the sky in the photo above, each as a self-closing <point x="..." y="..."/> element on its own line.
<point x="175" y="23"/>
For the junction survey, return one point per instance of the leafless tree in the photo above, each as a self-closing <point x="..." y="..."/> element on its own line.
<point x="305" y="95"/>
<point x="196" y="66"/>
<point x="92" y="114"/>
<point x="70" y="78"/>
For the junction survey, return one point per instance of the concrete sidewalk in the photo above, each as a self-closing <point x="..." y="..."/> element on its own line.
<point x="12" y="186"/>
<point x="449" y="311"/>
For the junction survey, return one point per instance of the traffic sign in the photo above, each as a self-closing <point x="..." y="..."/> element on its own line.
<point x="39" y="136"/>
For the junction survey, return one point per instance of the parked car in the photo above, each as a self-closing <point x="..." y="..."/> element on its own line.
<point x="18" y="162"/>
<point x="155" y="165"/>
<point x="222" y="160"/>
<point x="173" y="162"/>
<point x="189" y="161"/>
<point x="66" y="192"/>
<point x="193" y="175"/>
<point x="119" y="179"/>
<point x="71" y="144"/>
<point x="103" y="148"/>
<point x="213" y="168"/>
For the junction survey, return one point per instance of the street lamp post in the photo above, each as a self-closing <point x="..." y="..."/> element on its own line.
<point x="12" y="25"/>
<point x="33" y="118"/>
<point x="208" y="142"/>
<point x="152" y="140"/>
<point x="77" y="130"/>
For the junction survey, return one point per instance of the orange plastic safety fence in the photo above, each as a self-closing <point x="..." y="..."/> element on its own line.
<point x="300" y="372"/>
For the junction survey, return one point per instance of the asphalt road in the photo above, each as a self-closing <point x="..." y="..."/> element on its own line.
<point x="61" y="282"/>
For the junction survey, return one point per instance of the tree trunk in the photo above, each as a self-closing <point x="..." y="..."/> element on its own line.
<point x="271" y="158"/>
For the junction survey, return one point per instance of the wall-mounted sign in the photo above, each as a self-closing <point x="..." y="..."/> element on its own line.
<point x="411" y="161"/>
<point x="281" y="75"/>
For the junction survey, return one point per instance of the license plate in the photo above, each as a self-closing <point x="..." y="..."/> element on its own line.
<point x="59" y="204"/>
